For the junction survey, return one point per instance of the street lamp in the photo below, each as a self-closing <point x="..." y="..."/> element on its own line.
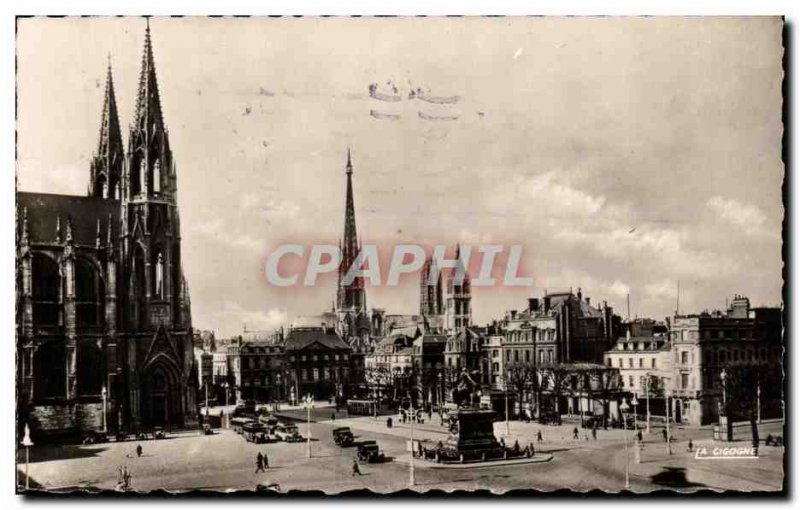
<point x="758" y="402"/>
<point x="105" y="410"/>
<point x="648" y="379"/>
<point x="724" y="376"/>
<point x="624" y="408"/>
<point x="411" y="478"/>
<point x="308" y="403"/>
<point x="27" y="443"/>
<point x="505" y="390"/>
<point x="634" y="403"/>
<point x="668" y="394"/>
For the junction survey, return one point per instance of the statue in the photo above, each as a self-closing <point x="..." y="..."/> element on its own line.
<point x="466" y="389"/>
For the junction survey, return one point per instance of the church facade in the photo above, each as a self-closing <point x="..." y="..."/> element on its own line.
<point x="104" y="330"/>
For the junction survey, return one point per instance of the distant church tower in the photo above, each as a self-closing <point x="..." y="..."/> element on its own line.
<point x="458" y="298"/>
<point x="431" y="302"/>
<point x="351" y="300"/>
<point x="105" y="174"/>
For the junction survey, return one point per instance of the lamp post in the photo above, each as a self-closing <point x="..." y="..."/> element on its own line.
<point x="648" y="377"/>
<point x="758" y="402"/>
<point x="624" y="408"/>
<point x="205" y="384"/>
<point x="27" y="443"/>
<point x="634" y="403"/>
<point x="411" y="478"/>
<point x="724" y="376"/>
<point x="105" y="410"/>
<point x="505" y="388"/>
<point x="308" y="403"/>
<point x="227" y="417"/>
<point x="668" y="394"/>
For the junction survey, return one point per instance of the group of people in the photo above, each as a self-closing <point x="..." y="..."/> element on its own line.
<point x="262" y="462"/>
<point x="123" y="478"/>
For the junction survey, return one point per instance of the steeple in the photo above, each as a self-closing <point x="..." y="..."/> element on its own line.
<point x="351" y="296"/>
<point x="148" y="104"/>
<point x="106" y="168"/>
<point x="150" y="167"/>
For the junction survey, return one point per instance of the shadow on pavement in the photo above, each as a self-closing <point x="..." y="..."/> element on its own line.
<point x="674" y="477"/>
<point x="64" y="452"/>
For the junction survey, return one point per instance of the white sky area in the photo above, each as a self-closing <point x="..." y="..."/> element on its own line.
<point x="624" y="154"/>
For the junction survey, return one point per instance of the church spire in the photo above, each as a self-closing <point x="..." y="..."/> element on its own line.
<point x="148" y="104"/>
<point x="350" y="296"/>
<point x="106" y="169"/>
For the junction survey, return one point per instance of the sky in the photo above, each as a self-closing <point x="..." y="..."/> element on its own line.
<point x="623" y="154"/>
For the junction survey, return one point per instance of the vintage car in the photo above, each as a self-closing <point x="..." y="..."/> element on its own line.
<point x="269" y="421"/>
<point x="268" y="487"/>
<point x="237" y="424"/>
<point x="158" y="433"/>
<point x="94" y="437"/>
<point x="369" y="451"/>
<point x="342" y="436"/>
<point x="255" y="432"/>
<point x="288" y="433"/>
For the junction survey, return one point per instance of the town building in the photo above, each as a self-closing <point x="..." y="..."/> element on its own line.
<point x="318" y="363"/>
<point x="104" y="330"/>
<point x="705" y="344"/>
<point x="258" y="370"/>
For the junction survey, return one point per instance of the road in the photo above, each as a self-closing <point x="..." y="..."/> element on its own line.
<point x="226" y="461"/>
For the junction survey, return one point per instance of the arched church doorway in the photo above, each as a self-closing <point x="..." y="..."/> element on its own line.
<point x="160" y="396"/>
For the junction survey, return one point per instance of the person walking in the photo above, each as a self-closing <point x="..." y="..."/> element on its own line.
<point x="594" y="433"/>
<point x="664" y="433"/>
<point x="639" y="435"/>
<point x="575" y="433"/>
<point x="539" y="438"/>
<point x="138" y="450"/>
<point x="259" y="463"/>
<point x="333" y="416"/>
<point x="691" y="445"/>
<point x="356" y="470"/>
<point x="266" y="461"/>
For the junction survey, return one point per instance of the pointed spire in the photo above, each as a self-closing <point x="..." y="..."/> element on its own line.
<point x="25" y="232"/>
<point x="68" y="238"/>
<point x="97" y="237"/>
<point x="110" y="135"/>
<point x="349" y="163"/>
<point x="58" y="229"/>
<point x="148" y="104"/>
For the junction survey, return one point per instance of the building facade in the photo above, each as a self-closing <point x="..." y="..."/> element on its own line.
<point x="104" y="331"/>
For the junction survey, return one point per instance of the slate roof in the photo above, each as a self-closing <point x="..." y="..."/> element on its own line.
<point x="301" y="338"/>
<point x="44" y="209"/>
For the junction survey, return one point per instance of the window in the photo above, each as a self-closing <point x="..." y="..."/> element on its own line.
<point x="620" y="363"/>
<point x="516" y="355"/>
<point x="684" y="357"/>
<point x="303" y="357"/>
<point x="157" y="177"/>
<point x="684" y="381"/>
<point x="46" y="289"/>
<point x="527" y="356"/>
<point x="653" y="363"/>
<point x="641" y="362"/>
<point x="88" y="292"/>
<point x="142" y="176"/>
<point x="630" y="362"/>
<point x="630" y="381"/>
<point x="494" y="353"/>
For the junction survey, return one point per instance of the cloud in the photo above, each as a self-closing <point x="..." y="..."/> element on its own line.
<point x="748" y="218"/>
<point x="262" y="320"/>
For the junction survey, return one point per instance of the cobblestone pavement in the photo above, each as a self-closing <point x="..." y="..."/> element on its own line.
<point x="225" y="461"/>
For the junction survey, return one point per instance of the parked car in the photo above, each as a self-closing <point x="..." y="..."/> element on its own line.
<point x="255" y="432"/>
<point x="238" y="423"/>
<point x="370" y="452"/>
<point x="342" y="436"/>
<point x="268" y="487"/>
<point x="94" y="437"/>
<point x="288" y="433"/>
<point x="158" y="433"/>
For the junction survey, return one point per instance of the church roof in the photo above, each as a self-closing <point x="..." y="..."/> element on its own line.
<point x="45" y="211"/>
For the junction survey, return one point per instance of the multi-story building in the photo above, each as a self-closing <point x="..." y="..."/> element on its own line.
<point x="258" y="370"/>
<point x="104" y="330"/>
<point x="318" y="363"/>
<point x="705" y="344"/>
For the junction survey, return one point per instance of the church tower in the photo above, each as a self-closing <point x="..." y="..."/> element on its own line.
<point x="156" y="313"/>
<point x="105" y="175"/>
<point x="458" y="297"/>
<point x="352" y="297"/>
<point x="431" y="302"/>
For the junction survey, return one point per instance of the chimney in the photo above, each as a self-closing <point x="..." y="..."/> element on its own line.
<point x="580" y="295"/>
<point x="513" y="314"/>
<point x="547" y="303"/>
<point x="588" y="301"/>
<point x="533" y="304"/>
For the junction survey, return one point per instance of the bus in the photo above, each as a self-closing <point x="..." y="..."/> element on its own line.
<point x="362" y="407"/>
<point x="238" y="423"/>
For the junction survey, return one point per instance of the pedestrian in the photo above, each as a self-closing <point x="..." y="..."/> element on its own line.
<point x="503" y="443"/>
<point x="138" y="450"/>
<point x="539" y="437"/>
<point x="691" y="445"/>
<point x="356" y="471"/>
<point x="259" y="462"/>
<point x="664" y="433"/>
<point x="266" y="461"/>
<point x="333" y="416"/>
<point x="594" y="433"/>
<point x="532" y="450"/>
<point x="516" y="446"/>
<point x="639" y="435"/>
<point x="575" y="433"/>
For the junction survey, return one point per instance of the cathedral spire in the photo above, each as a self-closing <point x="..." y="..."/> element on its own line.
<point x="148" y="104"/>
<point x="350" y="296"/>
<point x="106" y="169"/>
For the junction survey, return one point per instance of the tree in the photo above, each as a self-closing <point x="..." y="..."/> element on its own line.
<point x="743" y="383"/>
<point x="519" y="378"/>
<point x="555" y="379"/>
<point x="607" y="386"/>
